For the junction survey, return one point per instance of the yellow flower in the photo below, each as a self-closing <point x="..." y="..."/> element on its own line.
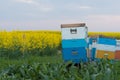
<point x="28" y="40"/>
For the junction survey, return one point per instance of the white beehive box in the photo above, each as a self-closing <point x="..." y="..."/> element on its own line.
<point x="74" y="31"/>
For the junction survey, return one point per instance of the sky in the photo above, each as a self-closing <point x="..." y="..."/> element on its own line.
<point x="99" y="15"/>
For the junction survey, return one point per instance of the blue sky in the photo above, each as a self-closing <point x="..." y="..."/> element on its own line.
<point x="99" y="15"/>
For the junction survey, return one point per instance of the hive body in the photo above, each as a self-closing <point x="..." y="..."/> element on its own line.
<point x="74" y="42"/>
<point x="105" y="47"/>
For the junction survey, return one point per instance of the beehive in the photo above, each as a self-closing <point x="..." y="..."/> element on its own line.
<point x="105" y="47"/>
<point x="117" y="53"/>
<point x="74" y="42"/>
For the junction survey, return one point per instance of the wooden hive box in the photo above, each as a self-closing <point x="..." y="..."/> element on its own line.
<point x="105" y="47"/>
<point x="74" y="42"/>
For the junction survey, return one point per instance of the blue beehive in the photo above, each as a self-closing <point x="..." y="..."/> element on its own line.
<point x="74" y="42"/>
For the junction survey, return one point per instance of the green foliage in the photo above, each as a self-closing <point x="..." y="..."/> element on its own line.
<point x="15" y="52"/>
<point x="9" y="53"/>
<point x="5" y="62"/>
<point x="103" y="70"/>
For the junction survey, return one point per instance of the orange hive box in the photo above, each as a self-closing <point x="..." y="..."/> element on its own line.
<point x="102" y="53"/>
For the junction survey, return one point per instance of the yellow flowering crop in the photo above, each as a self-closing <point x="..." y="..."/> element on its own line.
<point x="28" y="40"/>
<point x="108" y="34"/>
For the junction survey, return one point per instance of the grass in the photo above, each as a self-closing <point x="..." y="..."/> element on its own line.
<point x="5" y="62"/>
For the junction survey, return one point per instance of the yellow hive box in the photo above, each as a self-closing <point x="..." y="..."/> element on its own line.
<point x="102" y="54"/>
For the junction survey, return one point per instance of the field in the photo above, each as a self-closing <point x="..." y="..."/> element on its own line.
<point x="107" y="34"/>
<point x="28" y="43"/>
<point x="53" y="68"/>
<point x="36" y="55"/>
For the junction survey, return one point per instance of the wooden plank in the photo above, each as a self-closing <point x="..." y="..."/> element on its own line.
<point x="117" y="54"/>
<point x="73" y="25"/>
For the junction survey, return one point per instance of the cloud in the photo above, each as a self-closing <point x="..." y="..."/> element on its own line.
<point x="84" y="7"/>
<point x="28" y="1"/>
<point x="51" y="24"/>
<point x="94" y="23"/>
<point x="76" y="6"/>
<point x="45" y="7"/>
<point x="103" y="22"/>
<point x="108" y="19"/>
